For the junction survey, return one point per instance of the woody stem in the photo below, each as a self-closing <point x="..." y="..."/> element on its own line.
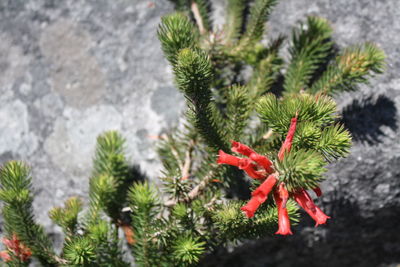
<point x="195" y="192"/>
<point x="197" y="17"/>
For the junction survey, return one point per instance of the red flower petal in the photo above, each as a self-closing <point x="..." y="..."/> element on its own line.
<point x="287" y="145"/>
<point x="283" y="217"/>
<point x="251" y="207"/>
<point x="263" y="161"/>
<point x="224" y="158"/>
<point x="266" y="187"/>
<point x="19" y="250"/>
<point x="305" y="201"/>
<point x="259" y="196"/>
<point x="283" y="194"/>
<point x="5" y="256"/>
<point x="241" y="148"/>
<point x="247" y="165"/>
<point x="318" y="191"/>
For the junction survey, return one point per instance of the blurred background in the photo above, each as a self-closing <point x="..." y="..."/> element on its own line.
<point x="71" y="69"/>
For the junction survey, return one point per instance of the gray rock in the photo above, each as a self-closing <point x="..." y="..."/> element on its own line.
<point x="71" y="69"/>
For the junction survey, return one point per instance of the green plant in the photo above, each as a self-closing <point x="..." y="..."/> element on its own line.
<point x="290" y="136"/>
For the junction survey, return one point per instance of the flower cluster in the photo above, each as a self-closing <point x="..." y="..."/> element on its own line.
<point x="16" y="248"/>
<point x="260" y="167"/>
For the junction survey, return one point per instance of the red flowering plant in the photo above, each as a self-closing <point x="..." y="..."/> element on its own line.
<point x="225" y="76"/>
<point x="16" y="251"/>
<point x="297" y="167"/>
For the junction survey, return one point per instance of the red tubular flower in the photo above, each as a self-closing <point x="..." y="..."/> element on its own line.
<point x="287" y="145"/>
<point x="19" y="250"/>
<point x="318" y="191"/>
<point x="5" y="256"/>
<point x="246" y="165"/>
<point x="241" y="149"/>
<point x="260" y="167"/>
<point x="262" y="161"/>
<point x="283" y="194"/>
<point x="266" y="186"/>
<point x="259" y="196"/>
<point x="305" y="201"/>
<point x="251" y="207"/>
<point x="283" y="217"/>
<point x="224" y="158"/>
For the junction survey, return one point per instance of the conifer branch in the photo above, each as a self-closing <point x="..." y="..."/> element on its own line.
<point x="145" y="207"/>
<point x="238" y="111"/>
<point x="335" y="142"/>
<point x="194" y="75"/>
<point x="277" y="114"/>
<point x="176" y="32"/>
<point x="18" y="212"/>
<point x="355" y="65"/>
<point x="259" y="14"/>
<point x="265" y="75"/>
<point x="111" y="176"/>
<point x="234" y="20"/>
<point x="80" y="252"/>
<point x="310" y="48"/>
<point x="107" y="249"/>
<point x="67" y="217"/>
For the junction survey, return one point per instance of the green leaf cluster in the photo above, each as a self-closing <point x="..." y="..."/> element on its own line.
<point x="317" y="140"/>
<point x="233" y="226"/>
<point x="18" y="212"/>
<point x="67" y="217"/>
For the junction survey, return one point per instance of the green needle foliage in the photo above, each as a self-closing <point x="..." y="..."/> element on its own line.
<point x="67" y="217"/>
<point x="259" y="13"/>
<point x="145" y="206"/>
<point x="355" y="65"/>
<point x="237" y="87"/>
<point x="172" y="43"/>
<point x="187" y="250"/>
<point x="310" y="48"/>
<point x="233" y="226"/>
<point x="18" y="213"/>
<point x="80" y="252"/>
<point x="235" y="19"/>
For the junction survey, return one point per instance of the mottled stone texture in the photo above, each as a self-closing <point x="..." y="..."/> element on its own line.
<point x="70" y="69"/>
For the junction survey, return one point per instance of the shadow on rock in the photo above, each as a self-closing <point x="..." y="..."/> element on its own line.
<point x="348" y="239"/>
<point x="136" y="174"/>
<point x="365" y="117"/>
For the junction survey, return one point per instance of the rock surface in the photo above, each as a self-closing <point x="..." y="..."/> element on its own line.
<point x="72" y="69"/>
